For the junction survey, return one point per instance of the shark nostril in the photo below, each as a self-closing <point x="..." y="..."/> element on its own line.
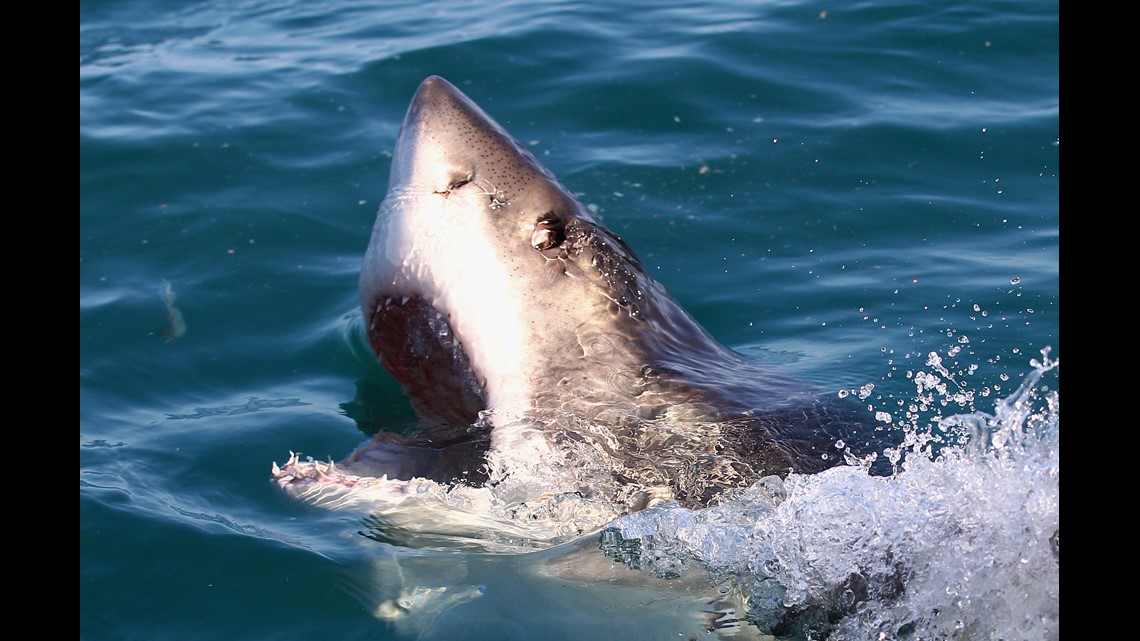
<point x="549" y="231"/>
<point x="456" y="183"/>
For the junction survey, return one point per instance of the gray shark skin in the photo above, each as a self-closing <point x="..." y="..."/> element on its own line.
<point x="530" y="340"/>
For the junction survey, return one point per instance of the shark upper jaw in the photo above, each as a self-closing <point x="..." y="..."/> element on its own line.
<point x="487" y="284"/>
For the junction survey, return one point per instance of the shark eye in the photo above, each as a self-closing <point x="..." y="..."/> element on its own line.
<point x="549" y="231"/>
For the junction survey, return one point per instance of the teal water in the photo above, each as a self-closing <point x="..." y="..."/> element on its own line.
<point x="839" y="190"/>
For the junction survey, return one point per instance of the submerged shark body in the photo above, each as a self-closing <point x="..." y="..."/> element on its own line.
<point x="558" y="383"/>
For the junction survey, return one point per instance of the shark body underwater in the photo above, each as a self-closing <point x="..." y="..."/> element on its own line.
<point x="559" y="385"/>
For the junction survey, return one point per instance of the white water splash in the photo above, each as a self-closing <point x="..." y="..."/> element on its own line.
<point x="962" y="543"/>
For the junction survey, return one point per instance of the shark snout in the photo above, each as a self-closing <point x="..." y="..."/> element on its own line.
<point x="448" y="142"/>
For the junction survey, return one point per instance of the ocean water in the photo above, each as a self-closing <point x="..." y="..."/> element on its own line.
<point x="863" y="194"/>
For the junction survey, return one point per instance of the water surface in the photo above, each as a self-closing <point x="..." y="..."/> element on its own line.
<point x="842" y="191"/>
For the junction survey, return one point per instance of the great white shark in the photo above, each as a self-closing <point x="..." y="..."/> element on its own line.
<point x="560" y="386"/>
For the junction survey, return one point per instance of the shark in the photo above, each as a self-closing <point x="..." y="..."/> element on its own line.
<point x="559" y="385"/>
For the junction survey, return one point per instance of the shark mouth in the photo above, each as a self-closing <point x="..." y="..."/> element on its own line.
<point x="418" y="347"/>
<point x="559" y="385"/>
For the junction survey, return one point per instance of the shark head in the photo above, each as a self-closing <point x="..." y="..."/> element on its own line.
<point x="560" y="385"/>
<point x="487" y="284"/>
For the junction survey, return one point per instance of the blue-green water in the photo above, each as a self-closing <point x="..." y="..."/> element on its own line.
<point x="838" y="190"/>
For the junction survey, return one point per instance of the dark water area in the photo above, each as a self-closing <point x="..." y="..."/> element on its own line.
<point x="838" y="191"/>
